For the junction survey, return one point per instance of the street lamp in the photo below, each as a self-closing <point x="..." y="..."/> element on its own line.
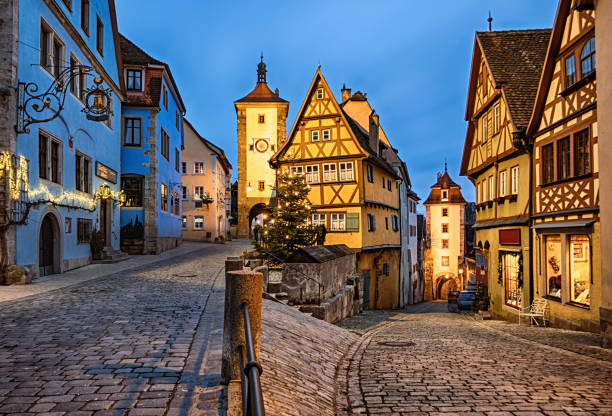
<point x="249" y="187"/>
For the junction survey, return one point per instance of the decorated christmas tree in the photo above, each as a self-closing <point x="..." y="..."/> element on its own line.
<point x="289" y="227"/>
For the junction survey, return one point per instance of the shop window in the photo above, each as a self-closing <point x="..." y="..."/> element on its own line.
<point x="164" y="197"/>
<point x="132" y="187"/>
<point x="553" y="265"/>
<point x="580" y="269"/>
<point x="511" y="272"/>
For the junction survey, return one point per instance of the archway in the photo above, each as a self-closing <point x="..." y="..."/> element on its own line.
<point x="258" y="215"/>
<point x="445" y="284"/>
<point x="49" y="246"/>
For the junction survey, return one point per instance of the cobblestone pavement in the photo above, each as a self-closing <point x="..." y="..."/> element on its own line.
<point x="143" y="342"/>
<point x="425" y="361"/>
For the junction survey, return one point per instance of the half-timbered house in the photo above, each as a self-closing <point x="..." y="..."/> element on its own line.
<point x="565" y="190"/>
<point x="354" y="190"/>
<point x="506" y="67"/>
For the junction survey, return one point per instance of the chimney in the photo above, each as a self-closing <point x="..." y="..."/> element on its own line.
<point x="439" y="175"/>
<point x="373" y="133"/>
<point x="346" y="93"/>
<point x="276" y="92"/>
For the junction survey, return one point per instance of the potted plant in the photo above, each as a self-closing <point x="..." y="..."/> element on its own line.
<point x="97" y="244"/>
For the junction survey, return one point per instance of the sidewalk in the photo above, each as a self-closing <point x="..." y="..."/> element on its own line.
<point x="93" y="271"/>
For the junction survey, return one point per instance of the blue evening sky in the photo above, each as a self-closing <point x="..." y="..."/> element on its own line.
<point x="412" y="58"/>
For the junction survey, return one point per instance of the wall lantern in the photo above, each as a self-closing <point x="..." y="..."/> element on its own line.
<point x="249" y="187"/>
<point x="33" y="107"/>
<point x="518" y="139"/>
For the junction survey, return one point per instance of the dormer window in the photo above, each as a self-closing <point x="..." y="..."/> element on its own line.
<point x="444" y="195"/>
<point x="587" y="58"/>
<point x="320" y="94"/>
<point x="134" y="79"/>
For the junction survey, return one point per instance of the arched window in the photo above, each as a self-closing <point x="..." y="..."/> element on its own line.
<point x="587" y="57"/>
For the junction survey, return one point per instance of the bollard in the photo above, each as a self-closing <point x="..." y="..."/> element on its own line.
<point x="242" y="286"/>
<point x="266" y="275"/>
<point x="231" y="264"/>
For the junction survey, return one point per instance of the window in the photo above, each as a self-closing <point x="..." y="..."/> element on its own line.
<point x="580" y="269"/>
<point x="491" y="187"/>
<point x="445" y="261"/>
<point x="346" y="171"/>
<point x="326" y="134"/>
<point x="553" y="265"/>
<point x="262" y="118"/>
<point x="297" y="170"/>
<point x="386" y="269"/>
<point x="51" y="50"/>
<point x="45" y="39"/>
<point x="85" y="16"/>
<point x="570" y="71"/>
<point x="261" y="185"/>
<point x="134" y="79"/>
<point x="165" y="145"/>
<point x="198" y="168"/>
<point x="383" y="182"/>
<point x="445" y="228"/>
<point x="370" y="171"/>
<point x="548" y="163"/>
<point x="68" y="4"/>
<point x="496" y="118"/>
<point x="312" y="174"/>
<point x="371" y="222"/>
<point x="132" y="186"/>
<point x="184" y="192"/>
<point x="184" y="168"/>
<point x="314" y="135"/>
<point x="587" y="58"/>
<point x="502" y="184"/>
<point x="485" y="129"/>
<point x="82" y="175"/>
<point x="445" y="212"/>
<point x="320" y="94"/>
<point x="165" y="96"/>
<point x="329" y="172"/>
<point x="83" y="231"/>
<point x="177" y="159"/>
<point x="132" y="135"/>
<point x="388" y="184"/>
<point x="68" y="225"/>
<point x="386" y="223"/>
<point x="395" y="222"/>
<point x="177" y="204"/>
<point x="184" y="222"/>
<point x="444" y="195"/>
<point x="99" y="35"/>
<point x="49" y="158"/>
<point x="318" y="219"/>
<point x="198" y="222"/>
<point x="198" y="192"/>
<point x="514" y="180"/>
<point x="177" y="120"/>
<point x="445" y="243"/>
<point x="337" y="222"/>
<point x="563" y="158"/>
<point x="164" y="197"/>
<point x="511" y="270"/>
<point x="582" y="153"/>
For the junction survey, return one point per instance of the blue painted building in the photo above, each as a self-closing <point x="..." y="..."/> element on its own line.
<point x="71" y="164"/>
<point x="152" y="141"/>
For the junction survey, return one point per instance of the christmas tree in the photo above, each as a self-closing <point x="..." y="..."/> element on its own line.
<point x="289" y="228"/>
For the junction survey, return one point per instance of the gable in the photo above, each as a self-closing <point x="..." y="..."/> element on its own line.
<point x="321" y="129"/>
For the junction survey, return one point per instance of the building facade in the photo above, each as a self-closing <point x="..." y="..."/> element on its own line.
<point x="151" y="146"/>
<point x="563" y="131"/>
<point x="262" y="118"/>
<point x="354" y="190"/>
<point x="205" y="189"/>
<point x="506" y="67"/>
<point x="59" y="174"/>
<point x="445" y="247"/>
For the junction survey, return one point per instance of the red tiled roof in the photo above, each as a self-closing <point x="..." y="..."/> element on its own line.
<point x="261" y="93"/>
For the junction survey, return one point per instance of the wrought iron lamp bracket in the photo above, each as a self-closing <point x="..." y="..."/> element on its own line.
<point x="34" y="107"/>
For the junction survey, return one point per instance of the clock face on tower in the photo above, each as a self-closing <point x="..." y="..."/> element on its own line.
<point x="261" y="145"/>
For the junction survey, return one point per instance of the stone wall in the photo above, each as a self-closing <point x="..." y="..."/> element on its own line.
<point x="150" y="188"/>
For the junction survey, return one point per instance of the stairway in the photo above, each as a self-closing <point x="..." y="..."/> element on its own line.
<point x="112" y="256"/>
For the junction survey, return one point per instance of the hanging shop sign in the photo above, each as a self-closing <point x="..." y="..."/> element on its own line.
<point x="106" y="173"/>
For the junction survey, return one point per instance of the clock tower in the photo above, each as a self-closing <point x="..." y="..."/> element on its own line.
<point x="262" y="117"/>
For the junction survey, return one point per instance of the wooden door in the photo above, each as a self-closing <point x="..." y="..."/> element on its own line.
<point x="46" y="249"/>
<point x="103" y="219"/>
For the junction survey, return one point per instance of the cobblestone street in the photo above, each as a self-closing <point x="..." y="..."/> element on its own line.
<point x="425" y="361"/>
<point x="142" y="342"/>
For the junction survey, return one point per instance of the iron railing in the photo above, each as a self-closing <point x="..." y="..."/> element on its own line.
<point x="252" y="397"/>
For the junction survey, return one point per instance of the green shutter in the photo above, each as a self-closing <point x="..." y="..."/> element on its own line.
<point x="352" y="221"/>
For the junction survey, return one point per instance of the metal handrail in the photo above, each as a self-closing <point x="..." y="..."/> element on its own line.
<point x="252" y="397"/>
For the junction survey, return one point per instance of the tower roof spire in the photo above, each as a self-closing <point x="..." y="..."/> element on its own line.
<point x="261" y="71"/>
<point x="489" y="19"/>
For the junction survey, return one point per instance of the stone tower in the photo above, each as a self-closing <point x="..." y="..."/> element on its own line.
<point x="445" y="247"/>
<point x="262" y="118"/>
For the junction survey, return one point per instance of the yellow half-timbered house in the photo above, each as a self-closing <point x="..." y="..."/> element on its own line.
<point x="506" y="67"/>
<point x="353" y="189"/>
<point x="565" y="189"/>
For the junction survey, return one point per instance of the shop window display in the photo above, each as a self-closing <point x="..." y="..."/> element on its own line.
<point x="511" y="269"/>
<point x="553" y="265"/>
<point x="580" y="269"/>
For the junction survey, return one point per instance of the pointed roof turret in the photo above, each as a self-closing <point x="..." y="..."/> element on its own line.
<point x="261" y="71"/>
<point x="261" y="92"/>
